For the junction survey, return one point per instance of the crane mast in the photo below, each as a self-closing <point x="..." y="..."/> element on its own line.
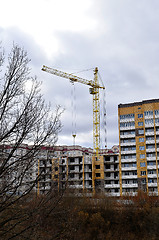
<point x="94" y="90"/>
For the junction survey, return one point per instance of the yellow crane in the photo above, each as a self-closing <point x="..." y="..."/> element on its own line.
<point x="94" y="90"/>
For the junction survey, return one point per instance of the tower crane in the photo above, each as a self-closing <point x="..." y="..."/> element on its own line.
<point x="94" y="90"/>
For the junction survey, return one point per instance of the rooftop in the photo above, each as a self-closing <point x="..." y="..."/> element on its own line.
<point x="138" y="103"/>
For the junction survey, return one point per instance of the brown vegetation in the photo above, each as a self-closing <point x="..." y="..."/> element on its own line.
<point x="82" y="218"/>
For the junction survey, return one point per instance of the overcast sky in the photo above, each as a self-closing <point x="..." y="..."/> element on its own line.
<point x="120" y="37"/>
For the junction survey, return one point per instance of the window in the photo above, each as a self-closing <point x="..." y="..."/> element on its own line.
<point x="128" y="156"/>
<point x="141" y="139"/>
<point x="125" y="149"/>
<point x="150" y="146"/>
<point x="140" y="115"/>
<point x="156" y="120"/>
<point x="127" y="140"/>
<point x="72" y="160"/>
<point x="144" y="180"/>
<point x="72" y="167"/>
<point x="143" y="173"/>
<point x="151" y="130"/>
<point x="141" y="131"/>
<point x="127" y="116"/>
<point x="127" y="132"/>
<point x="140" y="123"/>
<point x="126" y="165"/>
<point x="135" y="181"/>
<point x="142" y="148"/>
<point x="148" y="113"/>
<point x="142" y="164"/>
<point x="72" y="175"/>
<point x="156" y="112"/>
<point x="151" y="172"/>
<point x="150" y="163"/>
<point x="151" y="180"/>
<point x="97" y="174"/>
<point x="127" y="124"/>
<point x="150" y="154"/>
<point x="142" y="156"/>
<point x="134" y="164"/>
<point x="97" y="166"/>
<point x="149" y="138"/>
<point x="128" y="148"/>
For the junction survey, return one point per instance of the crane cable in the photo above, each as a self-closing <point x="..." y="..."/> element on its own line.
<point x="73" y="106"/>
<point x="105" y="119"/>
<point x="104" y="114"/>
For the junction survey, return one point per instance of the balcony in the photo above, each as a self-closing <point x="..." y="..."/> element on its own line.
<point x="153" y="167"/>
<point x="128" y="152"/>
<point x="112" y="186"/>
<point x="129" y="176"/>
<point x="129" y="160"/>
<point x="152" y="184"/>
<point x="127" y="136"/>
<point x="129" y="168"/>
<point x="128" y="144"/>
<point x="130" y="185"/>
<point x="148" y="150"/>
<point x="149" y="133"/>
<point x="111" y="169"/>
<point x="127" y="128"/>
<point x="149" y="117"/>
<point x="151" y="141"/>
<point x="152" y="175"/>
<point x="151" y="158"/>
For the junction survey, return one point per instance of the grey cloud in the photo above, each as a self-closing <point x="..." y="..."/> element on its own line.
<point x="125" y="48"/>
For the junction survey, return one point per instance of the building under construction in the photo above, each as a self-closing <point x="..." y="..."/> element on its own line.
<point x="77" y="169"/>
<point x="64" y="167"/>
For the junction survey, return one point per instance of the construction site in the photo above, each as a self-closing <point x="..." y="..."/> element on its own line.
<point x="85" y="169"/>
<point x="130" y="167"/>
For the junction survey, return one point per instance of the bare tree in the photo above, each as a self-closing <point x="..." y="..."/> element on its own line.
<point x="25" y="118"/>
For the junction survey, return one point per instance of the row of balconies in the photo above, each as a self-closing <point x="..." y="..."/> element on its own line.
<point x="134" y="143"/>
<point x="148" y="150"/>
<point x="132" y="135"/>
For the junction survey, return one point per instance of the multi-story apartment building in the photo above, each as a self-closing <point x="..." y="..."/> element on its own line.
<point x="59" y="167"/>
<point x="76" y="168"/>
<point x="139" y="146"/>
